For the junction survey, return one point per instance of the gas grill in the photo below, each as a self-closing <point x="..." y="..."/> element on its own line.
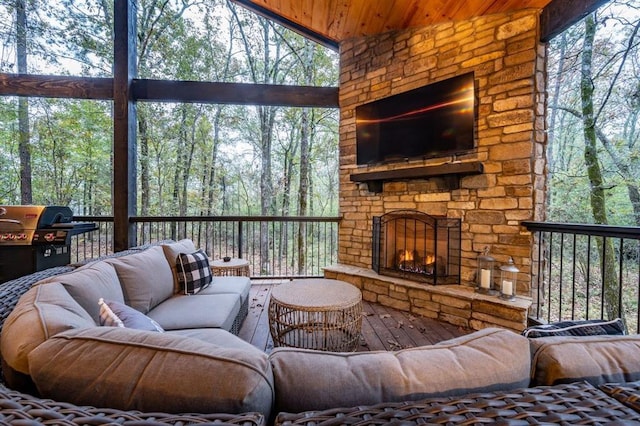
<point x="33" y="238"/>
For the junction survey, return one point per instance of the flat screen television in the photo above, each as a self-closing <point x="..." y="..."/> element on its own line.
<point x="431" y="121"/>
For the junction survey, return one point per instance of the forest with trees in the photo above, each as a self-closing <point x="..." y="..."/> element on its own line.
<point x="593" y="154"/>
<point x="594" y="119"/>
<point x="192" y="159"/>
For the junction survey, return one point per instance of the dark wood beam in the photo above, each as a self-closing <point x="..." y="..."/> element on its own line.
<point x="124" y="125"/>
<point x="235" y="93"/>
<point x="50" y="86"/>
<point x="374" y="180"/>
<point x="559" y="15"/>
<point x="287" y="23"/>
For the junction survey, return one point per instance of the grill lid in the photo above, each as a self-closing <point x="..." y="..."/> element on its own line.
<point x="19" y="223"/>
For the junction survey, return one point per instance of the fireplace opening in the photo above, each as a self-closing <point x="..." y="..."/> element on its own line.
<point x="416" y="246"/>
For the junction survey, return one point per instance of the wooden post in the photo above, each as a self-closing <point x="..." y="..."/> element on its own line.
<point x="124" y="125"/>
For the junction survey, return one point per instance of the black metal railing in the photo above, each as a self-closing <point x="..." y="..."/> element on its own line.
<point x="586" y="272"/>
<point x="275" y="246"/>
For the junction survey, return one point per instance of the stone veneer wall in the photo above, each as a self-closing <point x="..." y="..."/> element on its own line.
<point x="509" y="62"/>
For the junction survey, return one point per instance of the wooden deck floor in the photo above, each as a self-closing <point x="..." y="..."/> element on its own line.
<point x="383" y="328"/>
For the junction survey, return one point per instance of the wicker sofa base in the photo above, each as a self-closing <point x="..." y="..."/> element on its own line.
<point x="19" y="408"/>
<point x="576" y="403"/>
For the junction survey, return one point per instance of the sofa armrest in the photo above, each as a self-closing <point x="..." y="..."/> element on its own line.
<point x="488" y="360"/>
<point x="595" y="359"/>
<point x="131" y="369"/>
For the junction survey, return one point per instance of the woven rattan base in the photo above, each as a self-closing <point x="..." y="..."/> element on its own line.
<point x="578" y="403"/>
<point x="18" y="408"/>
<point x="316" y="314"/>
<point x="627" y="393"/>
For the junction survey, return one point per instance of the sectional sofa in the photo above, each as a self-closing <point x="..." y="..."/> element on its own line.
<point x="178" y="354"/>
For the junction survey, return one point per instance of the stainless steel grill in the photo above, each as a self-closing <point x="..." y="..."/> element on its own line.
<point x="33" y="238"/>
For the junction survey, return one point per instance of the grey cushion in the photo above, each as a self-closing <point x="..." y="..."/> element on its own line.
<point x="131" y="369"/>
<point x="171" y="252"/>
<point x="206" y="311"/>
<point x="595" y="359"/>
<point x="229" y="285"/>
<point x="146" y="278"/>
<point x="89" y="283"/>
<point x="488" y="360"/>
<point x="42" y="312"/>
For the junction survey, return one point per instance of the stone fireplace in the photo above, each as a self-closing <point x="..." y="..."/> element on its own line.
<point x="416" y="246"/>
<point x="507" y="181"/>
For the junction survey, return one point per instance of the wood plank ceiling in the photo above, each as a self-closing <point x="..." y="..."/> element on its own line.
<point x="339" y="20"/>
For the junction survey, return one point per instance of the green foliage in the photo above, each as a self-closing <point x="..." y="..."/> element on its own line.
<point x="197" y="159"/>
<point x="615" y="86"/>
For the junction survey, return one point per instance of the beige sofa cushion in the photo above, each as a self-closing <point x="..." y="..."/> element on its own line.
<point x="43" y="311"/>
<point x="595" y="359"/>
<point x="206" y="311"/>
<point x="228" y="285"/>
<point x="171" y="252"/>
<point x="145" y="277"/>
<point x="89" y="283"/>
<point x="140" y="370"/>
<point x="488" y="360"/>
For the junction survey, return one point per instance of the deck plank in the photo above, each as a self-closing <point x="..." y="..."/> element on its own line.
<point x="383" y="328"/>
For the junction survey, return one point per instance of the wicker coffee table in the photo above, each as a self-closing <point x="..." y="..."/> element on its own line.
<point x="319" y="314"/>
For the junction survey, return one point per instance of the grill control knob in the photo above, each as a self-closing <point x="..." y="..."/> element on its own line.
<point x="50" y="236"/>
<point x="11" y="236"/>
<point x="22" y="236"/>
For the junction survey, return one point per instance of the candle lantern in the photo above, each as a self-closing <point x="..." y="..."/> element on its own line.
<point x="484" y="276"/>
<point x="508" y="280"/>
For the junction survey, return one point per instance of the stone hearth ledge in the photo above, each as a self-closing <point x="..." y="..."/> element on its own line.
<point x="455" y="304"/>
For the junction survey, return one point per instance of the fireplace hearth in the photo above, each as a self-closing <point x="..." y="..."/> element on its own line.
<point x="416" y="246"/>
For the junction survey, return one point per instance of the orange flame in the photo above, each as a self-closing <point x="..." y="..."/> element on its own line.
<point x="406" y="256"/>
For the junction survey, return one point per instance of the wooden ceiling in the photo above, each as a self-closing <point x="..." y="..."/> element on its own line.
<point x="332" y="21"/>
<point x="343" y="19"/>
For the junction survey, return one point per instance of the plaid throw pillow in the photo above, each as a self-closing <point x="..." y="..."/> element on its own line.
<point x="193" y="270"/>
<point x="576" y="328"/>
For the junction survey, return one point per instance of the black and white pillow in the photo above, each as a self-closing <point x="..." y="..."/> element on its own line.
<point x="193" y="271"/>
<point x="576" y="328"/>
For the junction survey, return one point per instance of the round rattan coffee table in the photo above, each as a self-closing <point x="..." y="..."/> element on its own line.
<point x="319" y="314"/>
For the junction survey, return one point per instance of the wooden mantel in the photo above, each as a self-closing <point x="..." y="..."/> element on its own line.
<point x="452" y="171"/>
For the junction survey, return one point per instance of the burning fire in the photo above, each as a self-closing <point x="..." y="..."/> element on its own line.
<point x="406" y="256"/>
<point x="409" y="256"/>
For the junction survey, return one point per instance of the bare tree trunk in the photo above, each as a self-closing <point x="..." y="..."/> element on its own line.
<point x="597" y="195"/>
<point x="143" y="142"/>
<point x="24" y="144"/>
<point x="305" y="130"/>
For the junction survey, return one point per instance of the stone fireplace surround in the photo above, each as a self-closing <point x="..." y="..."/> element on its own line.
<point x="508" y="62"/>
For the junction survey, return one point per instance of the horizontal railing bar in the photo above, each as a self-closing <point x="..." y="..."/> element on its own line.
<point x="630" y="232"/>
<point x="146" y="219"/>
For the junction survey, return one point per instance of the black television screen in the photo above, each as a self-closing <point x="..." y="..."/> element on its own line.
<point x="431" y="121"/>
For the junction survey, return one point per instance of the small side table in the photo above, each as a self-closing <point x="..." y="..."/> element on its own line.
<point x="234" y="267"/>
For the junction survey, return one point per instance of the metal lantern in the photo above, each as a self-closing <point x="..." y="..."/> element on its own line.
<point x="508" y="280"/>
<point x="484" y="276"/>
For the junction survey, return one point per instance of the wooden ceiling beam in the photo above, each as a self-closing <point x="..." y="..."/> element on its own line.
<point x="50" y="86"/>
<point x="559" y="15"/>
<point x="234" y="93"/>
